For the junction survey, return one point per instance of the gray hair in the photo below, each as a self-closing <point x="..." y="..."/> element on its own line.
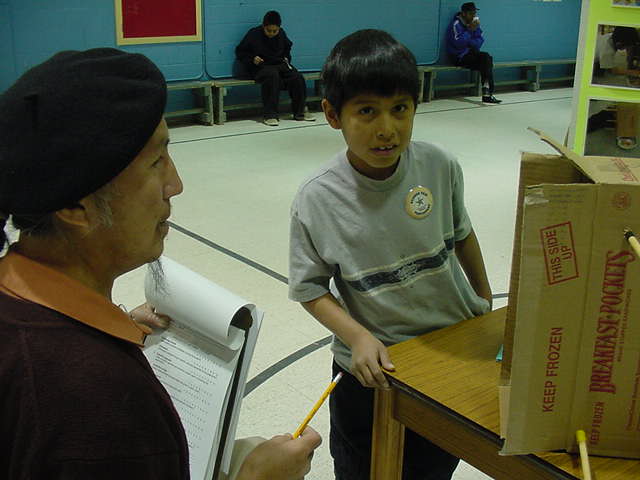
<point x="42" y="224"/>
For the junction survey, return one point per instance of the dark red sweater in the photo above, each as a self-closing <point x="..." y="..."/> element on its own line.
<point x="76" y="403"/>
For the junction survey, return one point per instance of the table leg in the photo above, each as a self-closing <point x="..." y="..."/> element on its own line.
<point x="387" y="439"/>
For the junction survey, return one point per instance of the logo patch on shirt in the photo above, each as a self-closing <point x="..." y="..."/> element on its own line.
<point x="419" y="202"/>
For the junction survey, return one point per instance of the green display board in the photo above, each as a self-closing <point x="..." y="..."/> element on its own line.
<point x="600" y="16"/>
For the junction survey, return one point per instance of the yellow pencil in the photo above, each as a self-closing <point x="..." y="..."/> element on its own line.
<point x="581" y="437"/>
<point x="633" y="241"/>
<point x="318" y="404"/>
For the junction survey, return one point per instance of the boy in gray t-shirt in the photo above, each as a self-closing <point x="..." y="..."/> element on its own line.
<point x="385" y="221"/>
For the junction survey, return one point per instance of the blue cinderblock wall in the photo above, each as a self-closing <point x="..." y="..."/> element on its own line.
<point x="33" y="30"/>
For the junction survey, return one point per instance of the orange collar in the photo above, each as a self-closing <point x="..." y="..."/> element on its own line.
<point x="29" y="280"/>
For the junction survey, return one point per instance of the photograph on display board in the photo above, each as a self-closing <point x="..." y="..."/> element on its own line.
<point x="612" y="128"/>
<point x="616" y="62"/>
<point x="626" y="3"/>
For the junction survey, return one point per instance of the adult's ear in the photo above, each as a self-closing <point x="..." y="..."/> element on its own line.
<point x="75" y="215"/>
<point x="331" y="114"/>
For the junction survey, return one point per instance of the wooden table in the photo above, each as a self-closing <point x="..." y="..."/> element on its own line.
<point x="445" y="388"/>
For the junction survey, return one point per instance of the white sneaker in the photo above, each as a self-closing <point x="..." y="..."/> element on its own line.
<point x="271" y="122"/>
<point x="305" y="117"/>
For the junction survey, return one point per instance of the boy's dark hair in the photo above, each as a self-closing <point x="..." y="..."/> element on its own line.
<point x="625" y="37"/>
<point x="272" y="18"/>
<point x="369" y="61"/>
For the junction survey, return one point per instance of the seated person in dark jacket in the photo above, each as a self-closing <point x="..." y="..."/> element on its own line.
<point x="464" y="39"/>
<point x="266" y="53"/>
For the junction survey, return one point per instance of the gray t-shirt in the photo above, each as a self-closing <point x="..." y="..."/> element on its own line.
<point x="387" y="244"/>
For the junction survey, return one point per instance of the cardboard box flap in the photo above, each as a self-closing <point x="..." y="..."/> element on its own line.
<point x="612" y="170"/>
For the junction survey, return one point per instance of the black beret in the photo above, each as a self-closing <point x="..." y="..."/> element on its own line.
<point x="71" y="124"/>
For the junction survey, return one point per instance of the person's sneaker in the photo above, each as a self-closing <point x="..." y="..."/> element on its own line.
<point x="305" y="117"/>
<point x="490" y="99"/>
<point x="271" y="122"/>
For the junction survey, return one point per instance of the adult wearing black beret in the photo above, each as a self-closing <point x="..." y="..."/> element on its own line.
<point x="86" y="178"/>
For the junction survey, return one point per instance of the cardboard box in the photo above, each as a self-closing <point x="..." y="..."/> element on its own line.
<point x="572" y="338"/>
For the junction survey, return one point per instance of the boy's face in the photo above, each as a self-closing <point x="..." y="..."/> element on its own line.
<point x="377" y="130"/>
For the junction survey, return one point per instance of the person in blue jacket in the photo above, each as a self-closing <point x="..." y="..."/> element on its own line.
<point x="464" y="39"/>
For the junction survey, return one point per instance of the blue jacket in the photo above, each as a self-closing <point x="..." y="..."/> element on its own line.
<point x="460" y="40"/>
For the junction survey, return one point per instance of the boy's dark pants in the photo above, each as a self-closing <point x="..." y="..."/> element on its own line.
<point x="274" y="78"/>
<point x="351" y="408"/>
<point x="481" y="61"/>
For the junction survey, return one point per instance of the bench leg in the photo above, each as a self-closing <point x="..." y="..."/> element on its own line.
<point x="421" y="88"/>
<point x="476" y="90"/>
<point x="218" y="104"/>
<point x="206" y="102"/>
<point x="430" y="78"/>
<point x="534" y="86"/>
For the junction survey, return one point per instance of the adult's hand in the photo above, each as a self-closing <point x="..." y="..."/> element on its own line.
<point x="257" y="60"/>
<point x="281" y="458"/>
<point x="146" y="315"/>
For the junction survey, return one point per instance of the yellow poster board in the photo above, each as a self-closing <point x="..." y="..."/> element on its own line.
<point x="595" y="14"/>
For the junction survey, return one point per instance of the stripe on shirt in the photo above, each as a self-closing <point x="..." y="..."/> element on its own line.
<point x="457" y="29"/>
<point x="403" y="274"/>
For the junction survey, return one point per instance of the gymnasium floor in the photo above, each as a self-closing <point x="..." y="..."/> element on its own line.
<point x="231" y="225"/>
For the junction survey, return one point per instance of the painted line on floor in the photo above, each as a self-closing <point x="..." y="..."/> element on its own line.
<point x="479" y="104"/>
<point x="280" y="365"/>
<point x="230" y="135"/>
<point x="230" y="253"/>
<point x="321" y="124"/>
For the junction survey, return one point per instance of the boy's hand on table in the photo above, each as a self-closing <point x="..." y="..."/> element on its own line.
<point x="367" y="355"/>
<point x="488" y="296"/>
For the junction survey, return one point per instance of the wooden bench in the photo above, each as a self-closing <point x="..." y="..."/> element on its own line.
<point x="530" y="69"/>
<point x="203" y="101"/>
<point x="220" y="88"/>
<point x="209" y="94"/>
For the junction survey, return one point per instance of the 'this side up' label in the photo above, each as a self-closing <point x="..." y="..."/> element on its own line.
<point x="559" y="253"/>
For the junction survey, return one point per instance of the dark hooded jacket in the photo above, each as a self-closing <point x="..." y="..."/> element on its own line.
<point x="272" y="50"/>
